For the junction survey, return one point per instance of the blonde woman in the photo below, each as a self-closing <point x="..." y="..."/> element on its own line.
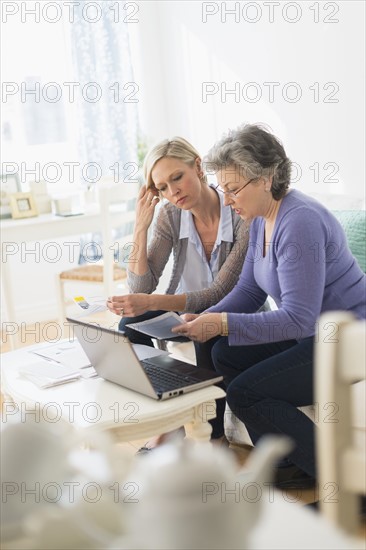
<point x="208" y="240"/>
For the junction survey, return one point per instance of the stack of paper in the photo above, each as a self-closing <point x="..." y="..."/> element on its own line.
<point x="67" y="353"/>
<point x="66" y="361"/>
<point x="45" y="374"/>
<point x="88" y="372"/>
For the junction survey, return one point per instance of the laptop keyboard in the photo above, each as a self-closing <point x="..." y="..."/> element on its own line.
<point x="164" y="380"/>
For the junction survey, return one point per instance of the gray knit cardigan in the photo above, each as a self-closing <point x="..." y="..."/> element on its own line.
<point x="165" y="238"/>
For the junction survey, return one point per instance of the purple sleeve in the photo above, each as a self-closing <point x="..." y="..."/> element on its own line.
<point x="299" y="253"/>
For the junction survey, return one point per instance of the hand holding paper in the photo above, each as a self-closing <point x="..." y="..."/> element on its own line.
<point x="202" y="328"/>
<point x="130" y="305"/>
<point x="159" y="327"/>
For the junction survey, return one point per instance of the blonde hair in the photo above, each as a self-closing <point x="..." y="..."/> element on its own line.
<point x="178" y="148"/>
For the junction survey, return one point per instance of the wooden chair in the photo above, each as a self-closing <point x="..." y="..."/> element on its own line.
<point x="115" y="214"/>
<point x="340" y="358"/>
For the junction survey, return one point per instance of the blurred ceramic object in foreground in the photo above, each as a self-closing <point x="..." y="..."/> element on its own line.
<point x="191" y="496"/>
<point x="31" y="458"/>
<point x="56" y="494"/>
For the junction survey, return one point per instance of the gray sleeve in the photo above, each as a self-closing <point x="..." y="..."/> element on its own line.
<point x="159" y="250"/>
<point x="228" y="275"/>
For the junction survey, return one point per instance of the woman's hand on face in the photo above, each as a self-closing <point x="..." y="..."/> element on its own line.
<point x="146" y="203"/>
<point x="129" y="305"/>
<point x="202" y="328"/>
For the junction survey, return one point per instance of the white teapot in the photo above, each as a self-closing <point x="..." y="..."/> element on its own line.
<point x="57" y="494"/>
<point x="29" y="453"/>
<point x="190" y="496"/>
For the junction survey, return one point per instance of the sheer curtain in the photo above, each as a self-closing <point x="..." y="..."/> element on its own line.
<point x="107" y="106"/>
<point x="78" y="58"/>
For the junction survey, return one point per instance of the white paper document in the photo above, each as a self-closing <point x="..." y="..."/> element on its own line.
<point x="89" y="372"/>
<point x="90" y="304"/>
<point x="69" y="354"/>
<point x="46" y="374"/>
<point x="72" y="356"/>
<point x="159" y="327"/>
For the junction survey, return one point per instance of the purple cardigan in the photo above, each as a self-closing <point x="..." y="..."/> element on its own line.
<point x="307" y="270"/>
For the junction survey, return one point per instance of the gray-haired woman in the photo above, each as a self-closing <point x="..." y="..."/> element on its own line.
<point x="298" y="255"/>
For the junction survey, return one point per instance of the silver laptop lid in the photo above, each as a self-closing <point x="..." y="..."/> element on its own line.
<point x="113" y="357"/>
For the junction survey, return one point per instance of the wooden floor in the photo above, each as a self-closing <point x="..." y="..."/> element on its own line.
<point x="48" y="331"/>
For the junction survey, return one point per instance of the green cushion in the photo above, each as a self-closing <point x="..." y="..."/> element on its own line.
<point x="354" y="225"/>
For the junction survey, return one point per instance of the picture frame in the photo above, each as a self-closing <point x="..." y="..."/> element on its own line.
<point x="9" y="184"/>
<point x="23" y="205"/>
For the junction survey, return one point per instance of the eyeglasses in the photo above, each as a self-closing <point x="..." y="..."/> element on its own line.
<point x="233" y="194"/>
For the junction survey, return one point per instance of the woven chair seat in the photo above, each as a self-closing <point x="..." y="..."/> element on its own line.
<point x="93" y="273"/>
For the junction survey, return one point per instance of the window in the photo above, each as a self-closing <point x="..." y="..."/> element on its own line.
<point x="69" y="115"/>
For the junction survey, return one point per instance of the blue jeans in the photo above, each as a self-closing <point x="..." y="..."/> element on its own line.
<point x="265" y="384"/>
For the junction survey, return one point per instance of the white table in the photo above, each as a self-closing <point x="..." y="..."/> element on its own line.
<point x="45" y="226"/>
<point x="285" y="525"/>
<point x="127" y="415"/>
<point x="93" y="404"/>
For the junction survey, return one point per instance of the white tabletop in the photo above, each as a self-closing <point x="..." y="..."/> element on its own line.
<point x="96" y="404"/>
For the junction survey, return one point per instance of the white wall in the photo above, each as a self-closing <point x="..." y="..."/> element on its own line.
<point x="225" y="52"/>
<point x="177" y="52"/>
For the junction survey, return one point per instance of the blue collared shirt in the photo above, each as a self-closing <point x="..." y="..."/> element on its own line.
<point x="198" y="272"/>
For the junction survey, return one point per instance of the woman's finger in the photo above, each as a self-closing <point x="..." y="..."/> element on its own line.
<point x="181" y="329"/>
<point x="142" y="191"/>
<point x="187" y="317"/>
<point x="151" y="198"/>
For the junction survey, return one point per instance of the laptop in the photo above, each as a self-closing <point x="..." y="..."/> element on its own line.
<point x="112" y="355"/>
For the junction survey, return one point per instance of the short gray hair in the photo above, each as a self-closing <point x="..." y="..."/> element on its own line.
<point x="255" y="152"/>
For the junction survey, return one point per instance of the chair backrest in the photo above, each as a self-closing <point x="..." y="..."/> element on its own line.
<point x="340" y="359"/>
<point x="118" y="211"/>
